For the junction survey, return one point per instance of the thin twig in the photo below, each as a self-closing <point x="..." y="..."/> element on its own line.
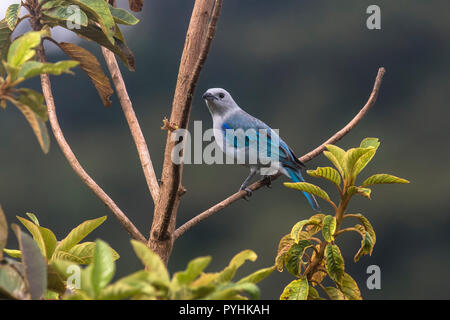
<point x="73" y="161"/>
<point x="307" y="157"/>
<point x="199" y="36"/>
<point x="133" y="123"/>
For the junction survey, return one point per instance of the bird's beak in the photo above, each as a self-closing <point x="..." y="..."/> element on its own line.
<point x="208" y="96"/>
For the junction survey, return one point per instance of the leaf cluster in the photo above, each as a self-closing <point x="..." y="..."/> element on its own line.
<point x="310" y="251"/>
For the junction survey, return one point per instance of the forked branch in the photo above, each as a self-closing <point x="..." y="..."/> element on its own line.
<point x="307" y="157"/>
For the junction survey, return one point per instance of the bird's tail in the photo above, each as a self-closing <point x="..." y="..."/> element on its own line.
<point x="296" y="176"/>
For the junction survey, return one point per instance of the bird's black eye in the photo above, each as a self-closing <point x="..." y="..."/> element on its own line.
<point x="221" y="95"/>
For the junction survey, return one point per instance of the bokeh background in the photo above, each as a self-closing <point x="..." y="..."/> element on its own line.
<point x="305" y="67"/>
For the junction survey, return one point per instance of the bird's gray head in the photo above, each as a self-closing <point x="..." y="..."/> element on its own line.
<point x="219" y="101"/>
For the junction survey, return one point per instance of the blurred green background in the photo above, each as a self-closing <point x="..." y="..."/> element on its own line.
<point x="305" y="67"/>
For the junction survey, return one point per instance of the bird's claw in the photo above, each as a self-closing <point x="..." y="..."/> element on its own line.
<point x="268" y="181"/>
<point x="249" y="193"/>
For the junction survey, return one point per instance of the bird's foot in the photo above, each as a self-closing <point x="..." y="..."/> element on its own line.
<point x="268" y="181"/>
<point x="249" y="193"/>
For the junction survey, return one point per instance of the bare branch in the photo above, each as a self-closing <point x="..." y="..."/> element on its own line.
<point x="133" y="123"/>
<point x="307" y="157"/>
<point x="199" y="36"/>
<point x="71" y="158"/>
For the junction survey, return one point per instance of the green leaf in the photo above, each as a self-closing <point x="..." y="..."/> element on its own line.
<point x="99" y="9"/>
<point x="329" y="227"/>
<point x="296" y="290"/>
<point x="366" y="247"/>
<point x="33" y="68"/>
<point x="308" y="187"/>
<point x="236" y="262"/>
<point x="122" y="16"/>
<point x="336" y="155"/>
<point x="65" y="13"/>
<point x="84" y="253"/>
<point x="151" y="260"/>
<point x="313" y="294"/>
<point x="257" y="276"/>
<point x="193" y="270"/>
<point x="293" y="260"/>
<point x="90" y="65"/>
<point x="355" y="160"/>
<point x="297" y="232"/>
<point x="334" y="262"/>
<point x="36" y="233"/>
<point x="382" y="178"/>
<point x="334" y="293"/>
<point x="5" y="41"/>
<point x="13" y="253"/>
<point x="367" y="226"/>
<point x="283" y="247"/>
<point x="35" y="101"/>
<point x="231" y="291"/>
<point x="349" y="288"/>
<point x="132" y="286"/>
<point x="34" y="263"/>
<point x="33" y="218"/>
<point x="370" y="142"/>
<point x="328" y="173"/>
<point x="12" y="15"/>
<point x="55" y="281"/>
<point x="22" y="48"/>
<point x="79" y="233"/>
<point x="103" y="267"/>
<point x="36" y="123"/>
<point x="365" y="192"/>
<point x="3" y="232"/>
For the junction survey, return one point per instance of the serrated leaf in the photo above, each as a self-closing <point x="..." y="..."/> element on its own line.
<point x="12" y="15"/>
<point x="99" y="10"/>
<point x="308" y="187"/>
<point x="67" y="13"/>
<point x="34" y="68"/>
<point x="367" y="226"/>
<point x="283" y="247"/>
<point x="257" y="276"/>
<point x="35" y="266"/>
<point x="328" y="173"/>
<point x="329" y="227"/>
<point x="91" y="66"/>
<point x="296" y="290"/>
<point x="293" y="260"/>
<point x="79" y="233"/>
<point x="122" y="16"/>
<point x="366" y="247"/>
<point x="193" y="270"/>
<point x="84" y="253"/>
<point x="349" y="288"/>
<point x="22" y="49"/>
<point x="3" y="232"/>
<point x="236" y="262"/>
<point x="334" y="262"/>
<point x="336" y="155"/>
<point x="365" y="192"/>
<point x="36" y="123"/>
<point x="151" y="260"/>
<point x="382" y="178"/>
<point x="103" y="267"/>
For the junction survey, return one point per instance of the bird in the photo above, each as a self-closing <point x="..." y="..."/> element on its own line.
<point x="272" y="153"/>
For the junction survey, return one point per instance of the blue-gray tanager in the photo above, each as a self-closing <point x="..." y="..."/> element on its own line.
<point x="272" y="153"/>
